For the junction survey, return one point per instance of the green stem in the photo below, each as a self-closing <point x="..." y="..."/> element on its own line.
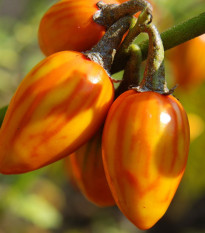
<point x="134" y="31"/>
<point x="131" y="76"/>
<point x="171" y="37"/>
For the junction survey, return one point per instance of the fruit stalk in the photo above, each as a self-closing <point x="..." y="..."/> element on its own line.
<point x="103" y="53"/>
<point x="154" y="75"/>
<point x="131" y="76"/>
<point x="110" y="13"/>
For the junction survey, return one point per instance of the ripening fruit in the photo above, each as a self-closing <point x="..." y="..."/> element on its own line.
<point x="87" y="172"/>
<point x="189" y="63"/>
<point x="69" y="25"/>
<point x="57" y="107"/>
<point x="145" y="147"/>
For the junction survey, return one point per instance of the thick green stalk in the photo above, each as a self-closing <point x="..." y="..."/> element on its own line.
<point x="171" y="37"/>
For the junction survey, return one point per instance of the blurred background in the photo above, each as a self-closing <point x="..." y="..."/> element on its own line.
<point x="45" y="201"/>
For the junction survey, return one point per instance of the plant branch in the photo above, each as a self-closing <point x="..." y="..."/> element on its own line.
<point x="172" y="37"/>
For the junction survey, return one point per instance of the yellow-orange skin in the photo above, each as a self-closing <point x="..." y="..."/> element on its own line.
<point x="189" y="63"/>
<point x="69" y="25"/>
<point x="88" y="174"/>
<point x="145" y="148"/>
<point x="57" y="107"/>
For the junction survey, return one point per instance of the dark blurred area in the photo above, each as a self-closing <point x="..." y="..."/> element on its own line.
<point x="45" y="201"/>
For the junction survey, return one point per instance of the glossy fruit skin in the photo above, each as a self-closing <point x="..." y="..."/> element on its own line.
<point x="87" y="172"/>
<point x="68" y="25"/>
<point x="188" y="63"/>
<point x="145" y="148"/>
<point x="57" y="107"/>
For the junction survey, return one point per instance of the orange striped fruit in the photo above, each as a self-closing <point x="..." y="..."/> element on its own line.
<point x="69" y="174"/>
<point x="87" y="171"/>
<point x="145" y="148"/>
<point x="189" y="63"/>
<point x="58" y="106"/>
<point x="69" y="25"/>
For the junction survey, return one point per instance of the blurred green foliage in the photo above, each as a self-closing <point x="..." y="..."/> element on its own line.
<point x="44" y="200"/>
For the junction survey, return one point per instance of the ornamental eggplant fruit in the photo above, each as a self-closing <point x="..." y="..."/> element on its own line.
<point x="188" y="63"/>
<point x="87" y="172"/>
<point x="145" y="148"/>
<point x="57" y="108"/>
<point x="68" y="25"/>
